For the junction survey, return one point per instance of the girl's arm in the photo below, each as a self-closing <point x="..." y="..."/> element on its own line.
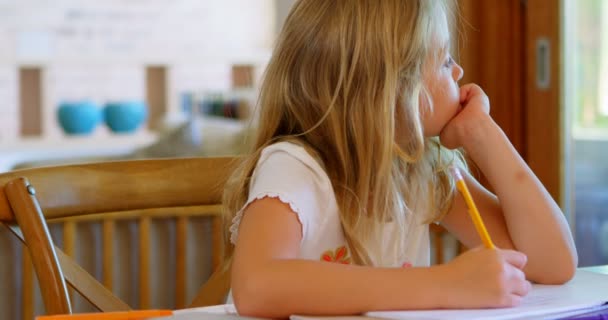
<point x="523" y="216"/>
<point x="269" y="281"/>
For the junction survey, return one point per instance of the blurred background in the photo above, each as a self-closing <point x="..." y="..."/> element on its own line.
<point x="126" y="73"/>
<point x="586" y="123"/>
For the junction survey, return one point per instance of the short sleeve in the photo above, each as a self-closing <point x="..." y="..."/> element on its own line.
<point x="287" y="172"/>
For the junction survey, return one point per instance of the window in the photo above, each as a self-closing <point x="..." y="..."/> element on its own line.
<point x="586" y="100"/>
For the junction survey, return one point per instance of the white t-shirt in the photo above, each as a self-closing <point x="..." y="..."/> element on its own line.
<point x="286" y="171"/>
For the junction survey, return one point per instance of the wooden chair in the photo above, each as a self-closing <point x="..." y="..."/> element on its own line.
<point x="29" y="197"/>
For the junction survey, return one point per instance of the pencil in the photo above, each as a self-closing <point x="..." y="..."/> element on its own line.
<point x="119" y="315"/>
<point x="473" y="212"/>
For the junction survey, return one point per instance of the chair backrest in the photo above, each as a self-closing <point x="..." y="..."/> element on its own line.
<point x="29" y="197"/>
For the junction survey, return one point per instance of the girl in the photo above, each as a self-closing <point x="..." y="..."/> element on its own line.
<point x="330" y="212"/>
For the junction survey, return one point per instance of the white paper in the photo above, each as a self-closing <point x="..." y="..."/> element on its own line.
<point x="585" y="291"/>
<point x="225" y="309"/>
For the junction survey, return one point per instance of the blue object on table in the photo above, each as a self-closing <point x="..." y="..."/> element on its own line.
<point x="78" y="118"/>
<point x="125" y="116"/>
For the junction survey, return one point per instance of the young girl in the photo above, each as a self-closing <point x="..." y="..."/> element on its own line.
<point x="330" y="212"/>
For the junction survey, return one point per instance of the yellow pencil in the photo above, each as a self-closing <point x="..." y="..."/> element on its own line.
<point x="481" y="228"/>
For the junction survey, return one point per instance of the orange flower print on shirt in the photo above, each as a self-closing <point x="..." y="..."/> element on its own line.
<point x="340" y="255"/>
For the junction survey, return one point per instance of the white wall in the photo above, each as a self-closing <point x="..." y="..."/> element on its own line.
<point x="99" y="49"/>
<point x="282" y="10"/>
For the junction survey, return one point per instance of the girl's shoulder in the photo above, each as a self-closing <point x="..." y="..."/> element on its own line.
<point x="293" y="153"/>
<point x="288" y="172"/>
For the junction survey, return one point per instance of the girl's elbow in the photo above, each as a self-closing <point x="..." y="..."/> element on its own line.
<point x="569" y="269"/>
<point x="561" y="274"/>
<point x="248" y="308"/>
<point x="565" y="274"/>
<point x="249" y="298"/>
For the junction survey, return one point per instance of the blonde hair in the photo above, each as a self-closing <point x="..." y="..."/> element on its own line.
<point x="345" y="75"/>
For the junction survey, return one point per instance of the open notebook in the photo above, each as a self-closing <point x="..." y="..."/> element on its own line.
<point x="588" y="291"/>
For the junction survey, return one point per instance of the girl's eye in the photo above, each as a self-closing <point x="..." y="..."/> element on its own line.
<point x="449" y="62"/>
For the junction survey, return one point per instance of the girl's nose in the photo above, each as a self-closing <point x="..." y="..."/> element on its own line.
<point x="459" y="72"/>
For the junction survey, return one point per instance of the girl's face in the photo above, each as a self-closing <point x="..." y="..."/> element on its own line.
<point x="441" y="76"/>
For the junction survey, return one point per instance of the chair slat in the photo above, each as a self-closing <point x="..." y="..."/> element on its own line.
<point x="69" y="238"/>
<point x="216" y="242"/>
<point x="27" y="280"/>
<point x="108" y="253"/>
<point x="181" y="231"/>
<point x="144" y="263"/>
<point x="438" y="242"/>
<point x="69" y="246"/>
<point x="93" y="291"/>
<point x="6" y="213"/>
<point x="190" y="211"/>
<point x="42" y="253"/>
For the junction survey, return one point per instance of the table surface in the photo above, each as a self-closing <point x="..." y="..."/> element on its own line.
<point x="598" y="269"/>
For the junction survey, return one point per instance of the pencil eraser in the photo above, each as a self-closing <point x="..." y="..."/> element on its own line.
<point x="456" y="173"/>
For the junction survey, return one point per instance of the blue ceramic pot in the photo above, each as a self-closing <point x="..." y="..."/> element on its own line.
<point x="79" y="118"/>
<point x="125" y="116"/>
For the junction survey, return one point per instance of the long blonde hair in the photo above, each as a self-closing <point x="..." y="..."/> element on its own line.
<point x="343" y="76"/>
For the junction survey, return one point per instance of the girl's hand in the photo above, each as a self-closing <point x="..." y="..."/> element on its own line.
<point x="482" y="278"/>
<point x="475" y="112"/>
